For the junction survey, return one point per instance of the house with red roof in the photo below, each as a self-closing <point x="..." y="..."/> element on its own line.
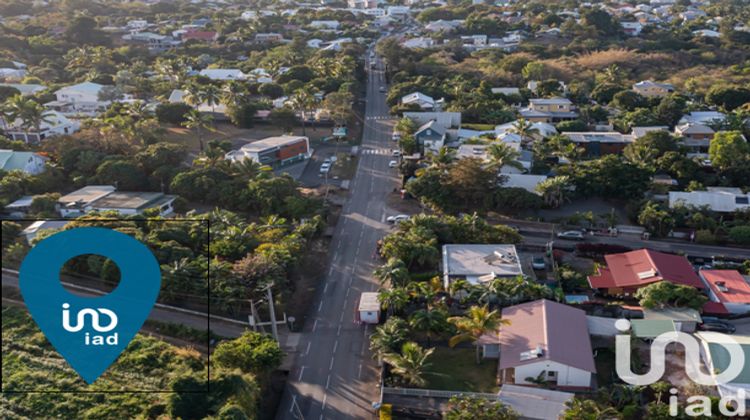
<point x="546" y="340"/>
<point x="728" y="292"/>
<point x="207" y="36"/>
<point x="629" y="271"/>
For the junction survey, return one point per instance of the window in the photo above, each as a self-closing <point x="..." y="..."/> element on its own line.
<point x="551" y="374"/>
<point x="741" y="199"/>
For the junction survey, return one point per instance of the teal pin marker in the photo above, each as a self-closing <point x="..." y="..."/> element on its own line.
<point x="90" y="332"/>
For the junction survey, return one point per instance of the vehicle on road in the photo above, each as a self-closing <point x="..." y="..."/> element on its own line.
<point x="397" y="218"/>
<point x="382" y="89"/>
<point x="575" y="235"/>
<point x="396" y="153"/>
<point x="720" y="326"/>
<point x="325" y="168"/>
<point x="396" y="136"/>
<point x="537" y="263"/>
<point x="392" y="164"/>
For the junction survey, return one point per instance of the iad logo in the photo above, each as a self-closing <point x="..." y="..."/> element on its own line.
<point x="700" y="405"/>
<point x="97" y="340"/>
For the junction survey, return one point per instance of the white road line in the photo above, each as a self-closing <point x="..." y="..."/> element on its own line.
<point x="308" y="348"/>
<point x="359" y="374"/>
<point x="338" y="331"/>
<point x="330" y="366"/>
<point x="294" y="401"/>
<point x="325" y="398"/>
<point x="301" y="371"/>
<point x="325" y="288"/>
<point x="347" y="291"/>
<point x="328" y="381"/>
<point x="330" y="272"/>
<point x="382" y="218"/>
<point x="341" y="318"/>
<point x="320" y="305"/>
<point x="335" y="346"/>
<point x="315" y="325"/>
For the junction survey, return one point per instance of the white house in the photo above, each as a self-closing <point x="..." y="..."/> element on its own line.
<point x="632" y="28"/>
<point x="83" y="98"/>
<point x="506" y="91"/>
<point x="325" y="24"/>
<point x="223" y="74"/>
<point x="33" y="229"/>
<point x="649" y="88"/>
<point x="12" y="74"/>
<point x="548" y="341"/>
<point x="54" y="124"/>
<point x="25" y="89"/>
<point x="419" y="42"/>
<point x="703" y="117"/>
<point x="718" y="199"/>
<point x="28" y="162"/>
<point x="105" y="198"/>
<point x="479" y="263"/>
<point x="423" y="101"/>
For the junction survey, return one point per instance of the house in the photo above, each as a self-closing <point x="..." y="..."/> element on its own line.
<point x="703" y="117"/>
<point x="443" y="25"/>
<point x="397" y="11"/>
<point x="539" y="130"/>
<point x="430" y="136"/>
<point x="629" y="271"/>
<point x="25" y="89"/>
<point x="683" y="319"/>
<point x="325" y="24"/>
<point x="549" y="110"/>
<point x="479" y="263"/>
<point x="479" y="151"/>
<point x="718" y="199"/>
<point x="717" y="359"/>
<point x="651" y="89"/>
<point x="369" y="308"/>
<point x="223" y="74"/>
<point x="728" y="290"/>
<point x="83" y="98"/>
<point x="421" y="100"/>
<point x="632" y="28"/>
<point x="362" y="4"/>
<point x="28" y="162"/>
<point x="54" y="124"/>
<point x="696" y="138"/>
<point x="445" y="119"/>
<point x="198" y="35"/>
<point x="638" y="132"/>
<point x="707" y="33"/>
<point x="535" y="403"/>
<point x="31" y="231"/>
<point x="507" y="91"/>
<point x="268" y="38"/>
<point x="419" y="42"/>
<point x="12" y="74"/>
<point x="105" y="198"/>
<point x="600" y="143"/>
<point x="154" y="42"/>
<point x="548" y="341"/>
<point x="273" y="151"/>
<point x="19" y="208"/>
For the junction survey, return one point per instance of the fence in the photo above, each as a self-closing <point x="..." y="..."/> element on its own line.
<point x="434" y="393"/>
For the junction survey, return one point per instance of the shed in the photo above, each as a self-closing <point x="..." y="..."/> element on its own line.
<point x="369" y="308"/>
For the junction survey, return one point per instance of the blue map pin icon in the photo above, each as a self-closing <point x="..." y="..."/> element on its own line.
<point x="89" y="332"/>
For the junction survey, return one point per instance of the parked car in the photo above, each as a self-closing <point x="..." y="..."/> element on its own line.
<point x="575" y="235"/>
<point x="392" y="164"/>
<point x="397" y="218"/>
<point x="382" y="89"/>
<point x="538" y="263"/>
<point x="721" y="327"/>
<point x="396" y="153"/>
<point x="325" y="168"/>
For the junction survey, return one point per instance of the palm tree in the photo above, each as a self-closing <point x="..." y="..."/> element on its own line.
<point x="232" y="93"/>
<point x="29" y="112"/>
<point x="477" y="321"/>
<point x="405" y="127"/>
<point x="302" y="101"/>
<point x="429" y="322"/>
<point x="501" y="154"/>
<point x="613" y="74"/>
<point x="393" y="272"/>
<point x="388" y="337"/>
<point x="586" y="409"/>
<point x="554" y="190"/>
<point x="393" y="300"/>
<point x="193" y="95"/>
<point x="137" y="110"/>
<point x="211" y="96"/>
<point x="195" y="120"/>
<point x="524" y="128"/>
<point x="246" y="168"/>
<point x="411" y="364"/>
<point x="443" y="158"/>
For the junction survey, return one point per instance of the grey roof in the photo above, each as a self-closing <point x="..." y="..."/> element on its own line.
<point x="600" y="137"/>
<point x="270" y="143"/>
<point x="535" y="403"/>
<point x="480" y="260"/>
<point x="434" y="126"/>
<point x="86" y="194"/>
<point x="132" y="200"/>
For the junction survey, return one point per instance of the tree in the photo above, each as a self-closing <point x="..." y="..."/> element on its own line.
<point x="525" y="129"/>
<point x="728" y="149"/>
<point x="405" y="126"/>
<point x="211" y="96"/>
<point x="443" y="158"/>
<point x="173" y="113"/>
<point x="411" y="364"/>
<point x="242" y="114"/>
<point x="477" y="321"/>
<point x="655" y="219"/>
<point x="123" y="174"/>
<point x="284" y="118"/>
<point x="389" y="337"/>
<point x="587" y="409"/>
<point x="728" y="97"/>
<point x="251" y="352"/>
<point x="629" y="100"/>
<point x="195" y="120"/>
<point x="29" y="112"/>
<point x="473" y="408"/>
<point x="740" y="234"/>
<point x="501" y="155"/>
<point x="554" y="190"/>
<point x="393" y="272"/>
<point x="339" y="105"/>
<point x="471" y="182"/>
<point x="393" y="299"/>
<point x="429" y="321"/>
<point x="665" y="294"/>
<point x="302" y="101"/>
<point x="271" y="90"/>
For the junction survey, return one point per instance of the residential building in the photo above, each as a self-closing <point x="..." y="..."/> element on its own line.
<point x="507" y="91"/>
<point x="397" y="11"/>
<point x="28" y="162"/>
<point x="54" y="124"/>
<point x="445" y="119"/>
<point x="632" y="28"/>
<point x="104" y="198"/>
<point x="430" y="136"/>
<point x="83" y="98"/>
<point x="33" y="229"/>
<point x="549" y="110"/>
<point x="695" y="131"/>
<point x="423" y="101"/>
<point x="198" y="35"/>
<point x="154" y="42"/>
<point x="539" y="130"/>
<point x="8" y="74"/>
<point x="19" y="208"/>
<point x="718" y="199"/>
<point x="728" y="290"/>
<point x="325" y="24"/>
<point x="362" y="4"/>
<point x="703" y="117"/>
<point x="652" y="89"/>
<point x="600" y="143"/>
<point x="419" y="42"/>
<point x="629" y="271"/>
<point x="223" y="74"/>
<point x="443" y="25"/>
<point x="274" y="151"/>
<point x="548" y="341"/>
<point x="268" y="38"/>
<point x="683" y="319"/>
<point x="479" y="263"/>
<point x="638" y="132"/>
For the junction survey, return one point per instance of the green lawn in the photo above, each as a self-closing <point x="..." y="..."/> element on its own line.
<point x="457" y="370"/>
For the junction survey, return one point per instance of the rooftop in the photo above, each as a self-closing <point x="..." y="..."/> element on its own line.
<point x="86" y="194"/>
<point x="132" y="200"/>
<point x="480" y="260"/>
<point x="728" y="285"/>
<point x="271" y="142"/>
<point x="598" y="137"/>
<point x="368" y="301"/>
<point x="642" y="267"/>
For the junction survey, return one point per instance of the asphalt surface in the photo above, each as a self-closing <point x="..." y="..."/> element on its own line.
<point x="334" y="375"/>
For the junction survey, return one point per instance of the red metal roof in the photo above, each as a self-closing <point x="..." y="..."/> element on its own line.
<point x="728" y="285"/>
<point x="643" y="267"/>
<point x="714" y="308"/>
<point x="202" y="35"/>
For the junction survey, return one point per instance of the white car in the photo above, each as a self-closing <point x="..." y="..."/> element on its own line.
<point x="575" y="235"/>
<point x="397" y="218"/>
<point x="392" y="164"/>
<point x="396" y="153"/>
<point x="325" y="168"/>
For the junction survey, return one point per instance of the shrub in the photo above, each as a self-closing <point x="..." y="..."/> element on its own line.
<point x="172" y="113"/>
<point x="705" y="237"/>
<point x="740" y="234"/>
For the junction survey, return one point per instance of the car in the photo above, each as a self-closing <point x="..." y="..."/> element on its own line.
<point x="575" y="235"/>
<point x="396" y="153"/>
<point x="327" y="161"/>
<point x="538" y="263"/>
<point x="392" y="164"/>
<point x="721" y="327"/>
<point x="325" y="168"/>
<point x="382" y="89"/>
<point x="397" y="218"/>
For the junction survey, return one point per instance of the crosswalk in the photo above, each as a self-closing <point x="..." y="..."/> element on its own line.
<point x="381" y="117"/>
<point x="381" y="152"/>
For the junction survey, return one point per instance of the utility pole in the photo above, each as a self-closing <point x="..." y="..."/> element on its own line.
<point x="272" y="311"/>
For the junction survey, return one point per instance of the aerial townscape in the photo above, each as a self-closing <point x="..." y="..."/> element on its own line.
<point x="386" y="209"/>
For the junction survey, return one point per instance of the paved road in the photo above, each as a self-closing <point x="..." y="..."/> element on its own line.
<point x="334" y="376"/>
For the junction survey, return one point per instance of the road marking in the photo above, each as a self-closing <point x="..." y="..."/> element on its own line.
<point x="347" y="292"/>
<point x="382" y="218"/>
<point x="330" y="366"/>
<point x="320" y="306"/>
<point x="341" y="318"/>
<point x="294" y="401"/>
<point x="301" y="371"/>
<point x="359" y="374"/>
<point x="308" y="348"/>
<point x="330" y="271"/>
<point x="315" y="325"/>
<point x="335" y="346"/>
<point x="338" y="332"/>
<point x="325" y="288"/>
